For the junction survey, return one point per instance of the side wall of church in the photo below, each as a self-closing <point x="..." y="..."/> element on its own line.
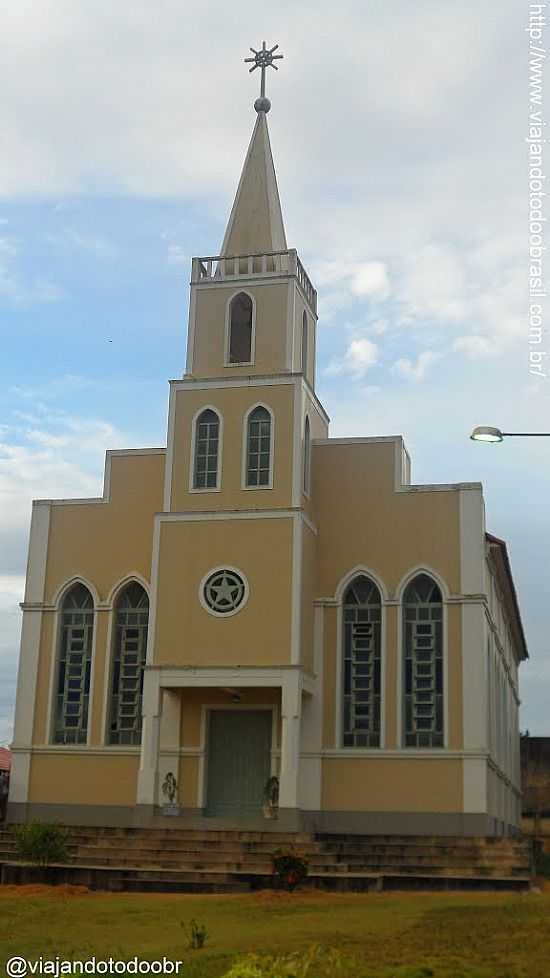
<point x="102" y="543"/>
<point x="504" y="779"/>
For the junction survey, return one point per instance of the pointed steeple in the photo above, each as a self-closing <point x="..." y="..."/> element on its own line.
<point x="256" y="220"/>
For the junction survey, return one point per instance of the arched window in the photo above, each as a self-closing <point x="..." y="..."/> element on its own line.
<point x="423" y="663"/>
<point x="258" y="448"/>
<point x="304" y="342"/>
<point x="129" y="650"/>
<point x="362" y="614"/>
<point x="207" y="438"/>
<point x="307" y="458"/>
<point x="74" y="667"/>
<point x="240" y="329"/>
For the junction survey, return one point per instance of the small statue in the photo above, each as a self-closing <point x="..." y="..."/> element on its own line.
<point x="271" y="797"/>
<point x="170" y="788"/>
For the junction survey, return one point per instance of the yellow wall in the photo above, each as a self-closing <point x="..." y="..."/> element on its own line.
<point x="258" y="634"/>
<point x="392" y="784"/>
<point x="233" y="403"/>
<point x="363" y="521"/>
<point x="100" y="779"/>
<point x="271" y="319"/>
<point x="103" y="542"/>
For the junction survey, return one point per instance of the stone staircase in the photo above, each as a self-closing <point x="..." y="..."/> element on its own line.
<point x="229" y="861"/>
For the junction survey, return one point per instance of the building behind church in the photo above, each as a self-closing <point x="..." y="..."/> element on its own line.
<point x="259" y="601"/>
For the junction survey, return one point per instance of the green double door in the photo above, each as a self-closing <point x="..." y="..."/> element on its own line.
<point x="239" y="761"/>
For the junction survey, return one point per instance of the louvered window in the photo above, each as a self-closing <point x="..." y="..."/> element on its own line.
<point x="423" y="663"/>
<point x="130" y="647"/>
<point x="361" y="662"/>
<point x="74" y="667"/>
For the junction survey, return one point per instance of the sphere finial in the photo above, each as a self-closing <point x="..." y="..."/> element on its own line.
<point x="263" y="59"/>
<point x="262" y="104"/>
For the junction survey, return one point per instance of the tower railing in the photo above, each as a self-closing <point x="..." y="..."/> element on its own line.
<point x="259" y="265"/>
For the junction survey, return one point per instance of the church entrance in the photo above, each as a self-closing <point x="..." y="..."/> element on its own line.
<point x="239" y="761"/>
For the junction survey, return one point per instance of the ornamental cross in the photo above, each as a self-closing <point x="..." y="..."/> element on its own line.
<point x="263" y="59"/>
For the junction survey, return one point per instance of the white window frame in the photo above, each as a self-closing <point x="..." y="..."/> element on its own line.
<point x="226" y="360"/>
<point x="244" y="461"/>
<point x="196" y="416"/>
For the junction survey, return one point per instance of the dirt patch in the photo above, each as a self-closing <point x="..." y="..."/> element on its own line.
<point x="41" y="889"/>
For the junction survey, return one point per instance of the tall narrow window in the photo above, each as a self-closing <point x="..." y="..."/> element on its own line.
<point x="304" y="343"/>
<point x="207" y="436"/>
<point x="362" y="615"/>
<point x="423" y="663"/>
<point x="258" y="448"/>
<point x="307" y="458"/>
<point x="74" y="666"/>
<point x="240" y="329"/>
<point x="130" y="646"/>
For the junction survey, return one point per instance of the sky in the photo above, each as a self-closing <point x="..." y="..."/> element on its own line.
<point x="398" y="132"/>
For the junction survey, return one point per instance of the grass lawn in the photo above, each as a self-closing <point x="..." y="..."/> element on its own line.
<point x="379" y="935"/>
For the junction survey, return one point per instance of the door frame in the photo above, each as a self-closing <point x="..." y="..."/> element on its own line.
<point x="206" y="709"/>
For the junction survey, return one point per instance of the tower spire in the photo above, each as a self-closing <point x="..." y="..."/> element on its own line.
<point x="256" y="220"/>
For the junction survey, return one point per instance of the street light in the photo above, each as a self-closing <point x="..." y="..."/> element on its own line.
<point x="492" y="435"/>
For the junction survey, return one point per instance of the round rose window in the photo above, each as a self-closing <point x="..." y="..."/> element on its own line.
<point x="223" y="591"/>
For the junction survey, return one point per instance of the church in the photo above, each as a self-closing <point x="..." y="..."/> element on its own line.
<point x="259" y="625"/>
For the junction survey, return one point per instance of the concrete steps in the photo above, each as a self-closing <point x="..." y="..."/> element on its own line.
<point x="200" y="860"/>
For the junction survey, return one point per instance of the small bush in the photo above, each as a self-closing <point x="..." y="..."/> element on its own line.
<point x="290" y="867"/>
<point x="39" y="842"/>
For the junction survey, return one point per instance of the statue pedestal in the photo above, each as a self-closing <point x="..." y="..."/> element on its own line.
<point x="170" y="810"/>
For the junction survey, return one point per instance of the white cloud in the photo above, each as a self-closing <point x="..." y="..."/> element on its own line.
<point x="417" y="370"/>
<point x="473" y="346"/>
<point x="371" y="279"/>
<point x="433" y="284"/>
<point x="359" y="357"/>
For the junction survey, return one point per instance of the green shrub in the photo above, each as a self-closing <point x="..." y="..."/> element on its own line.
<point x="39" y="842"/>
<point x="290" y="867"/>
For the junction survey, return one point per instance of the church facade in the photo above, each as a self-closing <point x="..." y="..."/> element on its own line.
<point x="272" y="621"/>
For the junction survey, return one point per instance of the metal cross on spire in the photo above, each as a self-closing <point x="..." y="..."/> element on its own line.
<point x="263" y="59"/>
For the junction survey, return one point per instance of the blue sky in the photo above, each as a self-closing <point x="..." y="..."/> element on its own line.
<point x="398" y="136"/>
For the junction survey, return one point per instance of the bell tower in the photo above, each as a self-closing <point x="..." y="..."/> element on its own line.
<point x="253" y="309"/>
